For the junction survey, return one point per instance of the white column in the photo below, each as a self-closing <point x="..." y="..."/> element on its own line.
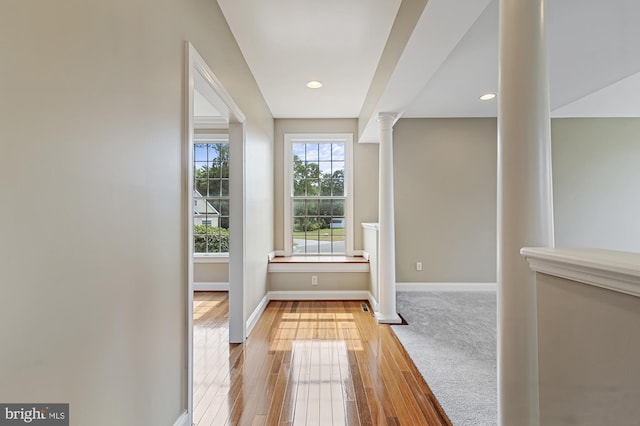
<point x="525" y="210"/>
<point x="386" y="222"/>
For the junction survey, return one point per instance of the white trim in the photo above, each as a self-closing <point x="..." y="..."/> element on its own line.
<point x="358" y="253"/>
<point x="320" y="295"/>
<point x="188" y="188"/>
<point x="204" y="122"/>
<point x="319" y="267"/>
<point x="257" y="313"/>
<point x="211" y="259"/>
<point x="237" y="234"/>
<point x="273" y="254"/>
<point x="373" y="302"/>
<point x="612" y="270"/>
<point x="391" y="319"/>
<point x="210" y="286"/>
<point x="210" y="137"/>
<point x="347" y="138"/>
<point x="370" y="225"/>
<point x="446" y="287"/>
<point x="215" y="91"/>
<point x="183" y="420"/>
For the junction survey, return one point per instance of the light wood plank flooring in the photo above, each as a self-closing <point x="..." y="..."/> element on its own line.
<point x="305" y="363"/>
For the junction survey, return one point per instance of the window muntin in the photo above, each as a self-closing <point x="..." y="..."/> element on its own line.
<point x="211" y="196"/>
<point x="317" y="195"/>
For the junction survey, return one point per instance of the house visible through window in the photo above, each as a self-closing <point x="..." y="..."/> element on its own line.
<point x="318" y="197"/>
<point x="210" y="196"/>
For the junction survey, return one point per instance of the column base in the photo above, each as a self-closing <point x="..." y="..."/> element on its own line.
<point x="388" y="319"/>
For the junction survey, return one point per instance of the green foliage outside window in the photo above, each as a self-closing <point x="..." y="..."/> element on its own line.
<point x="211" y="197"/>
<point x="208" y="239"/>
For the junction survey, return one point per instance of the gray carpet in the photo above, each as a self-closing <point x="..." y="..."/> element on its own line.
<point x="451" y="338"/>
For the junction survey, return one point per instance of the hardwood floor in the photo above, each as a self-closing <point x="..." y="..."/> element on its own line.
<point x="305" y="363"/>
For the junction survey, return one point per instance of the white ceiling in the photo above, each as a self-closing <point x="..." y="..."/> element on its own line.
<point x="449" y="60"/>
<point x="287" y="43"/>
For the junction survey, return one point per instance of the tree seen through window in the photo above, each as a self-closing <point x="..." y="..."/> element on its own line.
<point x="318" y="197"/>
<point x="211" y="198"/>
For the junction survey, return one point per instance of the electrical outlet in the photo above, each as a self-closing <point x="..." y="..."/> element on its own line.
<point x="314" y="280"/>
<point x="418" y="266"/>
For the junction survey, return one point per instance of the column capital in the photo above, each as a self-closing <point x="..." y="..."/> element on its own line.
<point x="387" y="118"/>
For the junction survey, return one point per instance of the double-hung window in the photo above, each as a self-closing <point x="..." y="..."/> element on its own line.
<point x="318" y="194"/>
<point x="211" y="194"/>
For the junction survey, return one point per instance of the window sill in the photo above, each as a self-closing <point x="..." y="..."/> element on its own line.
<point x="318" y="264"/>
<point x="211" y="258"/>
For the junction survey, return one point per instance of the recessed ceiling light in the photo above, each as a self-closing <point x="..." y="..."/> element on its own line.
<point x="314" y="84"/>
<point x="487" y="97"/>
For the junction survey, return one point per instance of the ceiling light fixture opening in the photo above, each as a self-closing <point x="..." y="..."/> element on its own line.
<point x="487" y="97"/>
<point x="314" y="84"/>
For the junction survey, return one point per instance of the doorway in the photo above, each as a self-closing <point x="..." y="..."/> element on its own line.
<point x="211" y="112"/>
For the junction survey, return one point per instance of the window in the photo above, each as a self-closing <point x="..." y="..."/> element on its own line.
<point x="318" y="194"/>
<point x="211" y="194"/>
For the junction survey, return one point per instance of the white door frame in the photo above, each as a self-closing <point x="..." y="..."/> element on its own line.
<point x="198" y="74"/>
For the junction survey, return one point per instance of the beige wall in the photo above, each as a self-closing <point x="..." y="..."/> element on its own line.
<point x="93" y="302"/>
<point x="445" y="199"/>
<point x="211" y="272"/>
<point x="596" y="182"/>
<point x="365" y="164"/>
<point x="589" y="348"/>
<point x="327" y="281"/>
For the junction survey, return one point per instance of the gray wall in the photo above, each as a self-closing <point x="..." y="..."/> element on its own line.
<point x="596" y="179"/>
<point x="445" y="199"/>
<point x="93" y="295"/>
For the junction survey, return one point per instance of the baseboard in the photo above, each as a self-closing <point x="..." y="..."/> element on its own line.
<point x="207" y="286"/>
<point x="320" y="295"/>
<point x="183" y="420"/>
<point x="446" y="287"/>
<point x="257" y="312"/>
<point x="373" y="302"/>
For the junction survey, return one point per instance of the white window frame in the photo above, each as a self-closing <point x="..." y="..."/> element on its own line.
<point x="289" y="140"/>
<point x="210" y="137"/>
